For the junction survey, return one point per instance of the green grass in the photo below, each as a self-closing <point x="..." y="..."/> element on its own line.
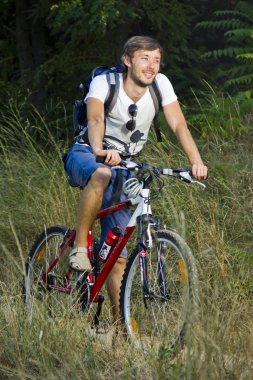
<point x="216" y="224"/>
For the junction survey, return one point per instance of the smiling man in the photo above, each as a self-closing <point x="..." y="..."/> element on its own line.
<point x="124" y="131"/>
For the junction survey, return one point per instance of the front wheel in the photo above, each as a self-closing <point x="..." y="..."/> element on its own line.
<point x="155" y="315"/>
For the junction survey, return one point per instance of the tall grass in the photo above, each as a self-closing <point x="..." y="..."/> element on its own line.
<point x="216" y="224"/>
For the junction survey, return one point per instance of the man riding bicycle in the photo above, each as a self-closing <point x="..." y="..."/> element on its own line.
<point x="124" y="130"/>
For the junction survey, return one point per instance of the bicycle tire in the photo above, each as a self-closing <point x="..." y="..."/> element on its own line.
<point x="160" y="321"/>
<point x="43" y="251"/>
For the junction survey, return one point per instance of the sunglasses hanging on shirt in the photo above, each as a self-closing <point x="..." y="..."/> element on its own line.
<point x="132" y="110"/>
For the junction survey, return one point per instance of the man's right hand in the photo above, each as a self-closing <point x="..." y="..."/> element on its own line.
<point x="112" y="156"/>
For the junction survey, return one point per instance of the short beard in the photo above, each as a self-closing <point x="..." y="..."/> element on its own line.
<point x="138" y="82"/>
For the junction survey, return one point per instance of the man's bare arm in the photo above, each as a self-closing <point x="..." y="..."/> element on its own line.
<point x="96" y="131"/>
<point x="96" y="124"/>
<point x="175" y="119"/>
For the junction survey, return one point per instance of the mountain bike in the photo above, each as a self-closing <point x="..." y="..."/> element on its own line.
<point x="159" y="291"/>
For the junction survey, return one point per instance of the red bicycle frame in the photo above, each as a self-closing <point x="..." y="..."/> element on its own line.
<point x="101" y="278"/>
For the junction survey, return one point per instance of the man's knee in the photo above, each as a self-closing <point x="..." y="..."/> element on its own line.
<point x="101" y="177"/>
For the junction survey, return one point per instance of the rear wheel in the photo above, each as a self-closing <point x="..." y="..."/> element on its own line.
<point x="157" y="318"/>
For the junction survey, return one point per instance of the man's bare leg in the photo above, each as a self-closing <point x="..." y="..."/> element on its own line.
<point x="90" y="203"/>
<point x="113" y="285"/>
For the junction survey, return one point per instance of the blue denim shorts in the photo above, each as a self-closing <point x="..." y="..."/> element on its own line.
<point x="80" y="164"/>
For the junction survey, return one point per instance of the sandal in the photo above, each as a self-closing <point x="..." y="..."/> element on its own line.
<point x="78" y="260"/>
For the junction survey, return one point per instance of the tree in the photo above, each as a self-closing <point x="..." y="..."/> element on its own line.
<point x="31" y="46"/>
<point x="91" y="32"/>
<point x="237" y="54"/>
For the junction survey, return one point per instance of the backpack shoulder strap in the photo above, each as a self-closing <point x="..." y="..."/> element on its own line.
<point x="156" y="96"/>
<point x="113" y="82"/>
<point x="157" y="100"/>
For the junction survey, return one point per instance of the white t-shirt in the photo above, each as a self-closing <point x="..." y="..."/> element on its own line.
<point x="116" y="132"/>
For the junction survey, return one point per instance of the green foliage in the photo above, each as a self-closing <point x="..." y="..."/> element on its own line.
<point x="84" y="34"/>
<point x="246" y="57"/>
<point x="220" y="24"/>
<point x="18" y="114"/>
<point x="243" y="79"/>
<point x="74" y="36"/>
<point x="227" y="52"/>
<point x="216" y="117"/>
<point x="238" y="31"/>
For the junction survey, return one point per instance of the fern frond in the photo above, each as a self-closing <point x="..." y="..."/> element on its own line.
<point x="221" y="24"/>
<point x="242" y="80"/>
<point x="224" y="75"/>
<point x="228" y="52"/>
<point x="237" y="71"/>
<point x="247" y="57"/>
<point x="234" y="14"/>
<point x="240" y="33"/>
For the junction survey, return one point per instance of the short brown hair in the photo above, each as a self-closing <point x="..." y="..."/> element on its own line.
<point x="140" y="43"/>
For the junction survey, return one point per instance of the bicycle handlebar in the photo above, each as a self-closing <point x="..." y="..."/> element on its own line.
<point x="143" y="168"/>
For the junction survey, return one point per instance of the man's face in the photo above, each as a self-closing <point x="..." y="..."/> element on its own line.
<point x="143" y="66"/>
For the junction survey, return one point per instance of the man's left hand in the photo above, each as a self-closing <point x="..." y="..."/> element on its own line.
<point x="199" y="171"/>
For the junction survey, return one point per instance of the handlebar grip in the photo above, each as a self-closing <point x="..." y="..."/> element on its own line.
<point x="100" y="159"/>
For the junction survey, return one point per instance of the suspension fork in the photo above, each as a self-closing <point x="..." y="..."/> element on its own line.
<point x="161" y="268"/>
<point x="145" y="241"/>
<point x="143" y="265"/>
<point x="141" y="249"/>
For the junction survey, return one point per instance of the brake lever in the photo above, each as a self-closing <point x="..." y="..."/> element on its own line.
<point x="185" y="176"/>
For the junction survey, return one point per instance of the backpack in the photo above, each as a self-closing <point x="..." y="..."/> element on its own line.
<point x="112" y="76"/>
